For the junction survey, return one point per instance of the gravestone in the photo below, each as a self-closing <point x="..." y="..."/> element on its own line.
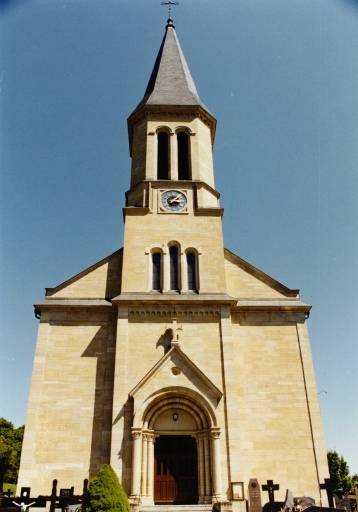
<point x="305" y="502"/>
<point x="273" y="506"/>
<point x="255" y="504"/>
<point x="345" y="504"/>
<point x="289" y="502"/>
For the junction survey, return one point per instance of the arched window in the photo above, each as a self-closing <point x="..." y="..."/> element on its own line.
<point x="183" y="156"/>
<point x="163" y="156"/>
<point x="157" y="271"/>
<point x="174" y="268"/>
<point x="192" y="271"/>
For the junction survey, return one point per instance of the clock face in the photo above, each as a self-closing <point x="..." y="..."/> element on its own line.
<point x="173" y="200"/>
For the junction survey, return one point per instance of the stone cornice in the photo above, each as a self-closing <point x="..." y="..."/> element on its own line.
<point x="271" y="305"/>
<point x="174" y="298"/>
<point x="209" y="212"/>
<point x="170" y="111"/>
<point x="72" y="303"/>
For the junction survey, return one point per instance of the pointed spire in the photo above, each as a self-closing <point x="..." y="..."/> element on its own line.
<point x="170" y="82"/>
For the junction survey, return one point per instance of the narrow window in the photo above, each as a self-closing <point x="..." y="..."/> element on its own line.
<point x="163" y="156"/>
<point x="183" y="156"/>
<point x="174" y="270"/>
<point x="191" y="264"/>
<point x="156" y="271"/>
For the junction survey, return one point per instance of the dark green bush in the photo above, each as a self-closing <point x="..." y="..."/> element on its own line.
<point x="112" y="496"/>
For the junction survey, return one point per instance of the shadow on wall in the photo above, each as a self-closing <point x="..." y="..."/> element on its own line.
<point x="102" y="347"/>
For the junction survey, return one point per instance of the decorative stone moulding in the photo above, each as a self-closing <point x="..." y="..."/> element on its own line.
<point x="176" y="312"/>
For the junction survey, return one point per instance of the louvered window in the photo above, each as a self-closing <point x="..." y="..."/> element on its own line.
<point x="163" y="156"/>
<point x="191" y="265"/>
<point x="174" y="268"/>
<point x="183" y="156"/>
<point x="157" y="271"/>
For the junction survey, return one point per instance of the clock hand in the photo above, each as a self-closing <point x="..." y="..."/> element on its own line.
<point x="172" y="200"/>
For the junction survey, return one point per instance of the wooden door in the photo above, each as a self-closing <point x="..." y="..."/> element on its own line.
<point x="176" y="470"/>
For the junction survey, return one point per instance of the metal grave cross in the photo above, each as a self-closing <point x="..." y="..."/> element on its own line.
<point x="270" y="487"/>
<point x="329" y="485"/>
<point x="65" y="499"/>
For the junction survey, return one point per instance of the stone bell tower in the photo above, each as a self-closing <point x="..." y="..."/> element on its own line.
<point x="172" y="208"/>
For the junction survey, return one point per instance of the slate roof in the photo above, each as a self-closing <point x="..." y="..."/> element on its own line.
<point x="170" y="82"/>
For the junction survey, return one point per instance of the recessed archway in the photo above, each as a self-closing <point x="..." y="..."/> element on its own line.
<point x="175" y="419"/>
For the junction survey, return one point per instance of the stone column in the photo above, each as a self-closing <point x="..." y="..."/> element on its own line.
<point x="207" y="467"/>
<point x="183" y="272"/>
<point x="136" y="461"/>
<point x="166" y="270"/>
<point x="201" y="469"/>
<point x="215" y="435"/>
<point x="144" y="464"/>
<point x="173" y="156"/>
<point x="150" y="477"/>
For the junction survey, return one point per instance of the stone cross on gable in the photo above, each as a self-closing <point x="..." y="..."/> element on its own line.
<point x="270" y="487"/>
<point x="174" y="327"/>
<point x="329" y="485"/>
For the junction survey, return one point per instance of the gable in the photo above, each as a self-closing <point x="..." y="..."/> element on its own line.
<point x="100" y="281"/>
<point x="244" y="281"/>
<point x="175" y="369"/>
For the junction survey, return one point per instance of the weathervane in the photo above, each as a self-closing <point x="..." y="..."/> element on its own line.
<point x="170" y="3"/>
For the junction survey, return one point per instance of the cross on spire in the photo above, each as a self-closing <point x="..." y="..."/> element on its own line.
<point x="170" y="4"/>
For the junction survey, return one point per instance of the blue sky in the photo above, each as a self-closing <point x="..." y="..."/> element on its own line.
<point x="281" y="78"/>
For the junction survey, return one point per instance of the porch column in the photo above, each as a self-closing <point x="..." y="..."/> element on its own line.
<point x="136" y="461"/>
<point x="150" y="479"/>
<point x="215" y="435"/>
<point x="207" y="466"/>
<point x="201" y="469"/>
<point x="144" y="463"/>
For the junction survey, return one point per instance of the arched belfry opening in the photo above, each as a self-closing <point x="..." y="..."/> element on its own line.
<point x="176" y="450"/>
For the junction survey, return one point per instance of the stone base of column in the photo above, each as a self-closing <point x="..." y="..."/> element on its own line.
<point x="134" y="507"/>
<point x="135" y="502"/>
<point x="147" y="501"/>
<point x="221" y="504"/>
<point x="204" y="500"/>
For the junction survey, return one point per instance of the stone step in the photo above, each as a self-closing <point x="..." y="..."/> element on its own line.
<point x="176" y="508"/>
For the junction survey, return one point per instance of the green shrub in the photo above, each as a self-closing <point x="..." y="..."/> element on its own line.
<point x="112" y="497"/>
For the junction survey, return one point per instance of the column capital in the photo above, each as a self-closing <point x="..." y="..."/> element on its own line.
<point x="215" y="432"/>
<point x="136" y="433"/>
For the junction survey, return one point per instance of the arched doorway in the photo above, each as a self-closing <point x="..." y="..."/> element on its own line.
<point x="182" y="422"/>
<point x="176" y="470"/>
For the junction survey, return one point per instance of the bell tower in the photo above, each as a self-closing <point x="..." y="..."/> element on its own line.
<point x="173" y="232"/>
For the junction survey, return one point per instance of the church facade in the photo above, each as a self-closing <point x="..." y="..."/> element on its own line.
<point x="174" y="360"/>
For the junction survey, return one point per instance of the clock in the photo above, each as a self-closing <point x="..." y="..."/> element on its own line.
<point x="173" y="200"/>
